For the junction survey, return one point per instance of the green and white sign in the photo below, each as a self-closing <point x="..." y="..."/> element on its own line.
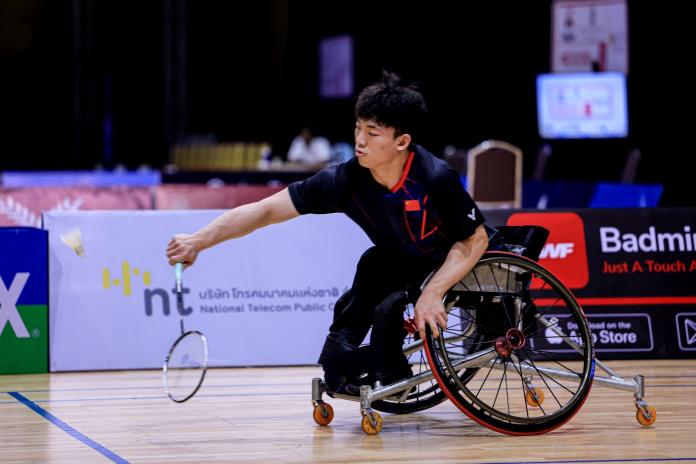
<point x="23" y="300"/>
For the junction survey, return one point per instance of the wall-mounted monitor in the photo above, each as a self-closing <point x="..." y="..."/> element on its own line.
<point x="582" y="105"/>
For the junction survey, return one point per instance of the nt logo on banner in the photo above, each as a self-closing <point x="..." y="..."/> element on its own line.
<point x="149" y="295"/>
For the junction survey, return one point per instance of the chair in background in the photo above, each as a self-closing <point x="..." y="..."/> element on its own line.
<point x="628" y="175"/>
<point x="542" y="160"/>
<point x="456" y="157"/>
<point x="494" y="175"/>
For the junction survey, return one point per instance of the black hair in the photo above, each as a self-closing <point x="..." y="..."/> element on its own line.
<point x="392" y="104"/>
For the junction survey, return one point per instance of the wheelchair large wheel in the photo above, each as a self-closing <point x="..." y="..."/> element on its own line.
<point x="423" y="396"/>
<point x="516" y="355"/>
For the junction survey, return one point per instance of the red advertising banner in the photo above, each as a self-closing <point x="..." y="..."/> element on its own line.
<point x="186" y="196"/>
<point x="23" y="206"/>
<point x="565" y="251"/>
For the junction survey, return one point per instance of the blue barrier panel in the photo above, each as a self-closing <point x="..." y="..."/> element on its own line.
<point x="82" y="178"/>
<point x="540" y="194"/>
<point x="613" y="195"/>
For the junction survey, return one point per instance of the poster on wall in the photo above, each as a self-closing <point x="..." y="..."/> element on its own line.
<point x="589" y="36"/>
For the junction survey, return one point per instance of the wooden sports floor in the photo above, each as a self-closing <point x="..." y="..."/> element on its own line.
<point x="264" y="415"/>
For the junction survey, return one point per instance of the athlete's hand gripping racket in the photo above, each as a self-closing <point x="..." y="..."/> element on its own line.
<point x="187" y="362"/>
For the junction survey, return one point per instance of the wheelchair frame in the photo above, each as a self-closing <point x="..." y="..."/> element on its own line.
<point x="484" y="358"/>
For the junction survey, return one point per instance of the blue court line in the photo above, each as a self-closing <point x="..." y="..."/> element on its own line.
<point x="587" y="461"/>
<point x="117" y="459"/>
<point x="157" y="387"/>
<point x="67" y="428"/>
<point x="118" y="398"/>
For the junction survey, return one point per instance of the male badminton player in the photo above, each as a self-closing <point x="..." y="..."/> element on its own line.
<point x="411" y="205"/>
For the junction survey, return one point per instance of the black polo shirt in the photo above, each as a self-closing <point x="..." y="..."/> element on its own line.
<point x="425" y="213"/>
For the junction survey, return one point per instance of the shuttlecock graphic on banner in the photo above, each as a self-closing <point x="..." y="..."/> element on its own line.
<point x="73" y="239"/>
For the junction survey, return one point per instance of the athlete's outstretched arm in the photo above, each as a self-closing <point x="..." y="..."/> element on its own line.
<point x="461" y="258"/>
<point x="234" y="223"/>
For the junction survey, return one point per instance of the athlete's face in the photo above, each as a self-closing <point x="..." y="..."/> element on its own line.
<point x="375" y="144"/>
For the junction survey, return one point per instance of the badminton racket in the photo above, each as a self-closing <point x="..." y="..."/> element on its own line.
<point x="187" y="361"/>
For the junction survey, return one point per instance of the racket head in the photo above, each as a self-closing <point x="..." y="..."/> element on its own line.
<point x="185" y="367"/>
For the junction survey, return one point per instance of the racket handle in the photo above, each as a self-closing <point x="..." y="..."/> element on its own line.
<point x="178" y="272"/>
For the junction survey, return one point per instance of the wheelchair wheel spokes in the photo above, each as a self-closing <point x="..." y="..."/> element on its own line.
<point x="540" y="364"/>
<point x="422" y="396"/>
<point x="419" y="364"/>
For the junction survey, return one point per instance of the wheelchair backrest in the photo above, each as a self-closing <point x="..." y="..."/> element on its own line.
<point x="527" y="241"/>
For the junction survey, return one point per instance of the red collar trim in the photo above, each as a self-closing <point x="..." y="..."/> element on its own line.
<point x="407" y="168"/>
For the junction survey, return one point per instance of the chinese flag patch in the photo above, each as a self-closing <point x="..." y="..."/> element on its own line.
<point x="411" y="205"/>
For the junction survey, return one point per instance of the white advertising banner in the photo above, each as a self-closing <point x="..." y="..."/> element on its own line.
<point x="264" y="299"/>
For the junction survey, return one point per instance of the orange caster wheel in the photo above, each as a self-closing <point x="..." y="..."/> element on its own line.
<point x="323" y="414"/>
<point x="643" y="419"/>
<point x="535" y="397"/>
<point x="368" y="426"/>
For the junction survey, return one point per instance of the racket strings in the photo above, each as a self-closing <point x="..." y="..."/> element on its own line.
<point x="185" y="366"/>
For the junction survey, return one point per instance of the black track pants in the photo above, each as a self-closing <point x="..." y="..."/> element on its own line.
<point x="376" y="299"/>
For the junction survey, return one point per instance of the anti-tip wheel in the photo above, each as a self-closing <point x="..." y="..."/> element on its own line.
<point x="323" y="414"/>
<point x="535" y="397"/>
<point x="367" y="425"/>
<point x="643" y="419"/>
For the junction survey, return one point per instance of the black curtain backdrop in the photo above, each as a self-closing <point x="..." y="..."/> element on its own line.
<point x="85" y="82"/>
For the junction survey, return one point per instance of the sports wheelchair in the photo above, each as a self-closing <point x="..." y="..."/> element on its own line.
<point x="516" y="355"/>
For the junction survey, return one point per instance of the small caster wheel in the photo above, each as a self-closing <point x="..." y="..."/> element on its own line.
<point x="372" y="426"/>
<point x="535" y="397"/>
<point x="643" y="419"/>
<point x="323" y="414"/>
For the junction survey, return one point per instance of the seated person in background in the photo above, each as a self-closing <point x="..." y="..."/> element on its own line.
<point x="309" y="149"/>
